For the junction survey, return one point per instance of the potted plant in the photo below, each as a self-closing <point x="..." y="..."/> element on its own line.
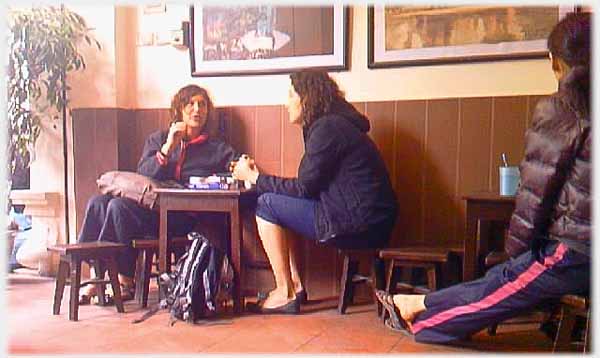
<point x="42" y="48"/>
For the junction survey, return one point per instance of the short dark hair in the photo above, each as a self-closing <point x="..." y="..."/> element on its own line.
<point x="183" y="96"/>
<point x="317" y="91"/>
<point x="570" y="39"/>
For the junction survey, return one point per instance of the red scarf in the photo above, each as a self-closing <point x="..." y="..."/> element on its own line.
<point x="198" y="140"/>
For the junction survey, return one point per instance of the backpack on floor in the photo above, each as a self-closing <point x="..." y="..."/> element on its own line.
<point x="201" y="284"/>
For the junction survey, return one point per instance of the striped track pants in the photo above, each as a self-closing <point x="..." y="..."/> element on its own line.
<point x="505" y="291"/>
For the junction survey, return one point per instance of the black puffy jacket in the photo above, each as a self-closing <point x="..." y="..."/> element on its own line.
<point x="343" y="170"/>
<point x="554" y="199"/>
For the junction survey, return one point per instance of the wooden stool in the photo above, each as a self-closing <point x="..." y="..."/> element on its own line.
<point x="147" y="248"/>
<point x="351" y="277"/>
<point x="353" y="248"/>
<point x="429" y="258"/>
<point x="71" y="257"/>
<point x="572" y="306"/>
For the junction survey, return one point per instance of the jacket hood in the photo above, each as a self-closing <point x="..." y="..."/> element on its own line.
<point x="352" y="115"/>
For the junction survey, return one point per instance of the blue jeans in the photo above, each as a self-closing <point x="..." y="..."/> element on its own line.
<point x="291" y="213"/>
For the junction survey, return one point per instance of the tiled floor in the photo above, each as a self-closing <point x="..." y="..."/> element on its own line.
<point x="32" y="329"/>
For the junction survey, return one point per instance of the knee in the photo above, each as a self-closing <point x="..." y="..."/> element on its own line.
<point x="264" y="208"/>
<point x="98" y="202"/>
<point x="116" y="205"/>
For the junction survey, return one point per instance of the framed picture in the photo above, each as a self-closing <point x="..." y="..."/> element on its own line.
<point x="423" y="35"/>
<point x="264" y="39"/>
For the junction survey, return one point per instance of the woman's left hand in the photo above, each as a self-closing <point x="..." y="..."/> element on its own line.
<point x="245" y="169"/>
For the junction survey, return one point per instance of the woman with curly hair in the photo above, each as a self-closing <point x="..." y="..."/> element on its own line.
<point x="185" y="149"/>
<point x="342" y="187"/>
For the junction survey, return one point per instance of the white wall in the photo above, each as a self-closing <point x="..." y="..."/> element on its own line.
<point x="162" y="70"/>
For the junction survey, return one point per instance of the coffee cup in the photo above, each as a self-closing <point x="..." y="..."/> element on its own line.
<point x="509" y="180"/>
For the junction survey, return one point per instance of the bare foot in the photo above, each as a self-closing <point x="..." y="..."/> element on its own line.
<point x="409" y="305"/>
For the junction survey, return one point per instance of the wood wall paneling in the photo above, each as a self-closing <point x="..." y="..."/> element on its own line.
<point x="292" y="146"/>
<point x="126" y="133"/>
<point x="508" y="133"/>
<point x="267" y="152"/>
<point x="95" y="151"/>
<point x="410" y="168"/>
<point x="441" y="149"/>
<point x="243" y="134"/>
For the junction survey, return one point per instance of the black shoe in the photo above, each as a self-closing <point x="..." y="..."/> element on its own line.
<point x="292" y="307"/>
<point x="301" y="296"/>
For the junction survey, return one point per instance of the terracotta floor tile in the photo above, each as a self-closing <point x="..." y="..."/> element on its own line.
<point x="32" y="329"/>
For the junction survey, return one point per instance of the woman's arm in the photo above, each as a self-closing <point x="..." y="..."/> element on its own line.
<point x="549" y="152"/>
<point x="318" y="165"/>
<point x="153" y="164"/>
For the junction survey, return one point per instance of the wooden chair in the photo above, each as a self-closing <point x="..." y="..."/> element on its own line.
<point x="147" y="248"/>
<point x="572" y="306"/>
<point x="353" y="250"/>
<point x="71" y="256"/>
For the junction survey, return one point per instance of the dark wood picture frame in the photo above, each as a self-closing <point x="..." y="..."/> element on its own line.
<point x="385" y="59"/>
<point x="336" y="61"/>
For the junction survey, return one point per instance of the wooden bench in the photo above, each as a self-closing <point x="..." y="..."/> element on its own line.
<point x="97" y="253"/>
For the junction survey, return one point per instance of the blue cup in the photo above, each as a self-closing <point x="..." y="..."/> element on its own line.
<point x="509" y="180"/>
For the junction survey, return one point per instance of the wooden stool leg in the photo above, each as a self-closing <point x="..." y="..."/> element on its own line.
<point x="100" y="287"/>
<point x="75" y="283"/>
<point x="61" y="280"/>
<point x="138" y="275"/>
<point x="586" y="337"/>
<point x="346" y="285"/>
<point x="114" y="282"/>
<point x="388" y="285"/>
<point x="389" y="274"/>
<point x="431" y="278"/>
<point x="562" y="341"/>
<point x="378" y="281"/>
<point x="147" y="270"/>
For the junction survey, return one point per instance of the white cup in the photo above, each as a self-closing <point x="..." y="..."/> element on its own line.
<point x="509" y="180"/>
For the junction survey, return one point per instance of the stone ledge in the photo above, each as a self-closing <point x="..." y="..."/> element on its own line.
<point x="37" y="203"/>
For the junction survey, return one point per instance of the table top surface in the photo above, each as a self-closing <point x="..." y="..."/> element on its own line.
<point x="204" y="192"/>
<point x="488" y="196"/>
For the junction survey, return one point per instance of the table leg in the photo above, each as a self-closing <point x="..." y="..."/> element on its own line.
<point x="470" y="246"/>
<point x="162" y="241"/>
<point x="236" y="257"/>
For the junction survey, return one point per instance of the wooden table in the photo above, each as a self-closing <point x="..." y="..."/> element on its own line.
<point x="227" y="201"/>
<point x="482" y="208"/>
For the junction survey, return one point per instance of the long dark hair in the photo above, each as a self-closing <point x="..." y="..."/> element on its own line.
<point x="318" y="94"/>
<point x="570" y="41"/>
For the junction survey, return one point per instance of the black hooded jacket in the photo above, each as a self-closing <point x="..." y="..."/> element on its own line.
<point x="342" y="169"/>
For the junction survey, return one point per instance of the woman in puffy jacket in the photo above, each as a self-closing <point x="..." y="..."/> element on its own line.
<point x="550" y="229"/>
<point x="342" y="188"/>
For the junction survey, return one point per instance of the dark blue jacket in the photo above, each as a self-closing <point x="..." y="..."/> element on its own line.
<point x="201" y="158"/>
<point x="343" y="170"/>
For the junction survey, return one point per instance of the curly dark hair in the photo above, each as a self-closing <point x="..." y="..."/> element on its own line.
<point x="318" y="93"/>
<point x="183" y="96"/>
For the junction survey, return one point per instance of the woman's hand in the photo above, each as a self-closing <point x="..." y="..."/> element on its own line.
<point x="245" y="169"/>
<point x="177" y="132"/>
